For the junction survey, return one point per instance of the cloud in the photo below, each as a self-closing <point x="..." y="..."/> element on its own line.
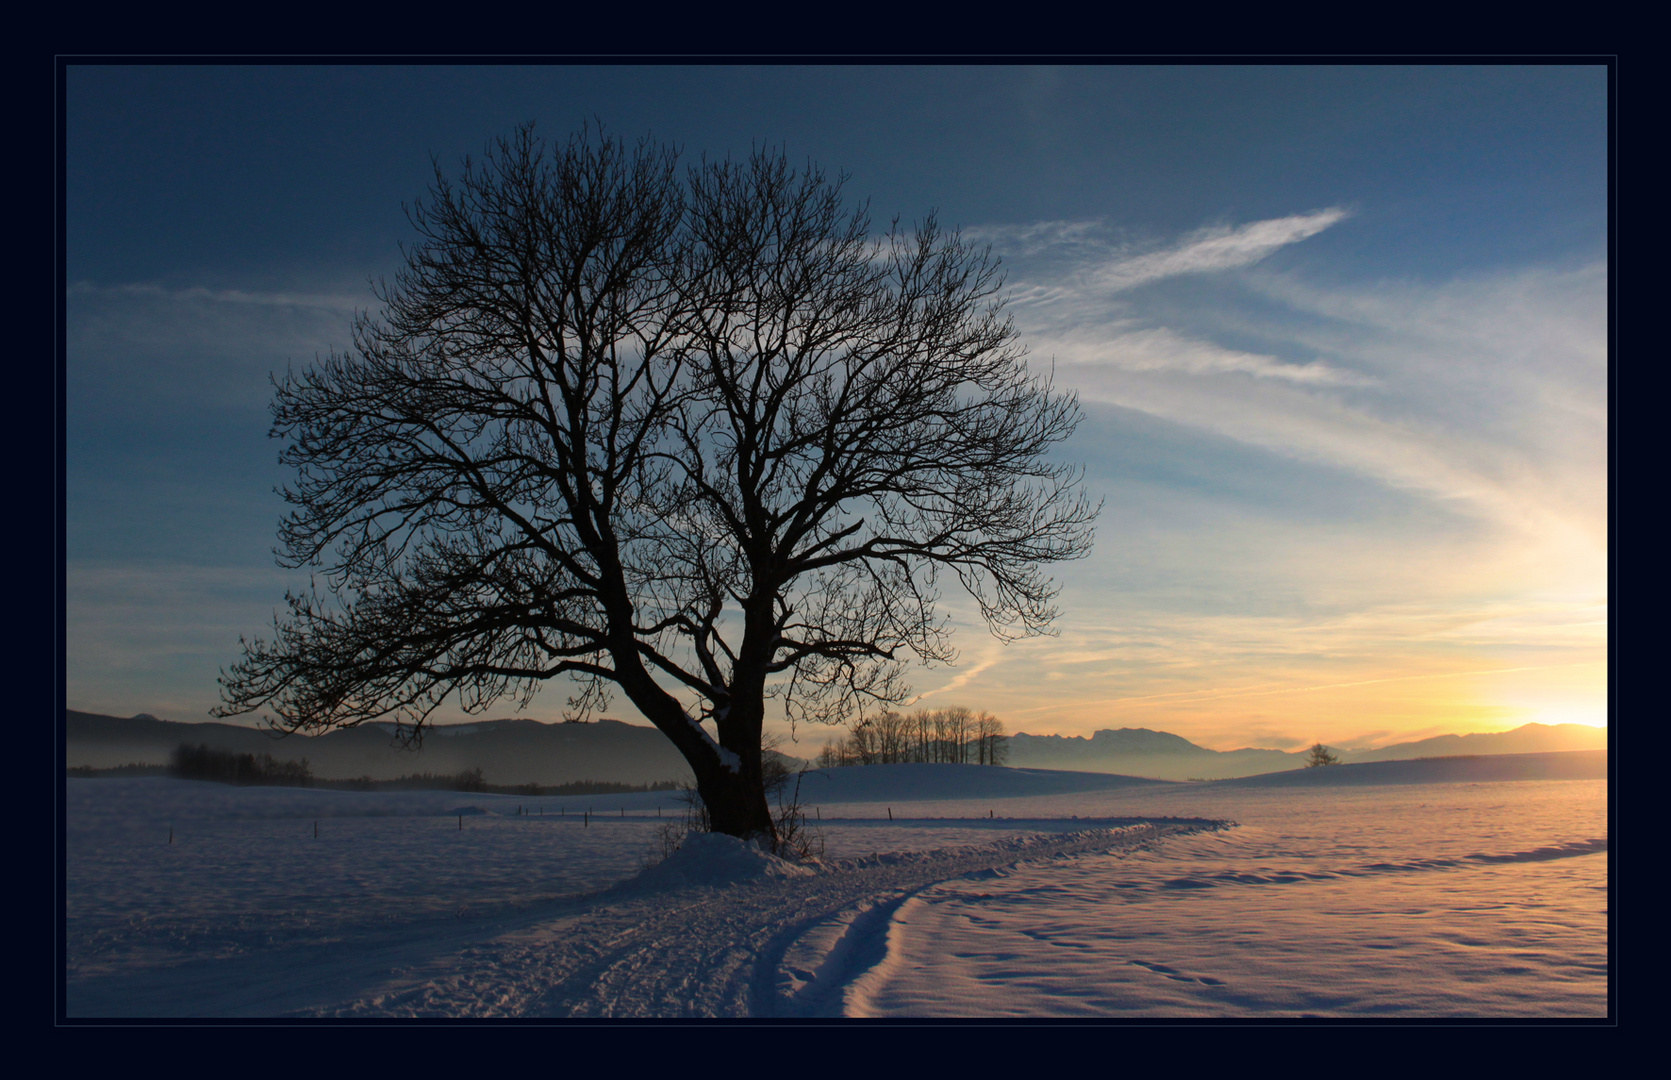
<point x="198" y="293"/>
<point x="1221" y="694"/>
<point x="1040" y="237"/>
<point x="193" y="349"/>
<point x="154" y="637"/>
<point x="1314" y="428"/>
<point x="1218" y="247"/>
<point x="990" y="658"/>
<point x="1334" y="506"/>
<point x="1481" y="350"/>
<point x="1483" y="394"/>
<point x="1103" y="262"/>
<point x="1158" y="349"/>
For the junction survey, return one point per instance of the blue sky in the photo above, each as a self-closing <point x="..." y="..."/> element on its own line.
<point x="1339" y="333"/>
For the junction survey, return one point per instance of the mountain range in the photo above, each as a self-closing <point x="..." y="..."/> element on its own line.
<point x="1164" y="756"/>
<point x="516" y="751"/>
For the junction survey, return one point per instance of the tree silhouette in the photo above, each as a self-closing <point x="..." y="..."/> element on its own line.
<point x="695" y="437"/>
<point x="1320" y="755"/>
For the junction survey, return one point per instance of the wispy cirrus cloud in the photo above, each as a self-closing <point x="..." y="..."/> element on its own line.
<point x="1213" y="248"/>
<point x="1374" y="502"/>
<point x="1108" y="264"/>
<point x="1485" y="393"/>
<point x="1069" y="296"/>
<point x="187" y="347"/>
<point x="1161" y="349"/>
<point x="1037" y="237"/>
<point x="202" y="294"/>
<point x="159" y="634"/>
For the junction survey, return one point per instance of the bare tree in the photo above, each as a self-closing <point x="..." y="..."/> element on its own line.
<point x="922" y="735"/>
<point x="993" y="741"/>
<point x="863" y="744"/>
<point x="958" y="721"/>
<point x="894" y="736"/>
<point x="696" y="437"/>
<point x="833" y="755"/>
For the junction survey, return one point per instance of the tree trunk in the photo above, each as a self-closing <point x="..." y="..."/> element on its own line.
<point x="735" y="798"/>
<point x="736" y="805"/>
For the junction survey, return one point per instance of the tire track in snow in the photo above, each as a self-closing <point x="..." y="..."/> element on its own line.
<point x="774" y="948"/>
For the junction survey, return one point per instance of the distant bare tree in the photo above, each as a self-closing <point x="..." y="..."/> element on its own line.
<point x="696" y="437"/>
<point x="863" y="745"/>
<point x="926" y="734"/>
<point x="832" y="755"/>
<point x="951" y="735"/>
<point x="991" y="739"/>
<point x="894" y="733"/>
<point x="959" y="733"/>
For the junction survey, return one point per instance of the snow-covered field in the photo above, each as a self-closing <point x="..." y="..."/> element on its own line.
<point x="1055" y="895"/>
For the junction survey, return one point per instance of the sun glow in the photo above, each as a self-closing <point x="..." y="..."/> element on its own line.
<point x="1369" y="707"/>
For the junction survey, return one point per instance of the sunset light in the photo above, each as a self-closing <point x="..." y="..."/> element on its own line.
<point x="1353" y="483"/>
<point x="836" y="539"/>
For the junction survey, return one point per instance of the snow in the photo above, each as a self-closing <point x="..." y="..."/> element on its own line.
<point x="991" y="892"/>
<point x="714" y="859"/>
<point x="727" y="758"/>
<point x="918" y="782"/>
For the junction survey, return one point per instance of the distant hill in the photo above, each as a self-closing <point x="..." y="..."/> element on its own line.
<point x="507" y="751"/>
<point x="528" y="751"/>
<point x="1526" y="739"/>
<point x="908" y="783"/>
<point x="1163" y="756"/>
<point x="1469" y="768"/>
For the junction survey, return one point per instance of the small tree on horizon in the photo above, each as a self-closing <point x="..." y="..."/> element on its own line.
<point x="1320" y="755"/>
<point x="697" y="437"/>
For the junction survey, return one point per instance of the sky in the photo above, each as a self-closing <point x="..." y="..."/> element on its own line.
<point x="1339" y="335"/>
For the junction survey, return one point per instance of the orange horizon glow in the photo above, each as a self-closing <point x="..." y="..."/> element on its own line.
<point x="1368" y="712"/>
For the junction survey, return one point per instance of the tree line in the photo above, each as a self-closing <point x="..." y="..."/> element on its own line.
<point x="229" y="767"/>
<point x="203" y="763"/>
<point x="955" y="735"/>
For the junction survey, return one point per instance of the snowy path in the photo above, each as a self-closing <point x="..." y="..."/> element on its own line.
<point x="765" y="948"/>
